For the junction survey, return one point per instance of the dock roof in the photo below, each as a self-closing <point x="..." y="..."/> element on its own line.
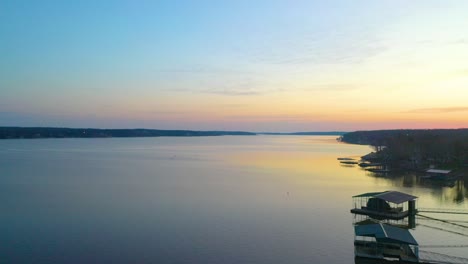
<point x="438" y="171"/>
<point x="369" y="194"/>
<point x="389" y="196"/>
<point x="385" y="233"/>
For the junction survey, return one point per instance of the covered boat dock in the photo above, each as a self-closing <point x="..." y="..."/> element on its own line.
<point x="381" y="241"/>
<point x="438" y="174"/>
<point x="385" y="205"/>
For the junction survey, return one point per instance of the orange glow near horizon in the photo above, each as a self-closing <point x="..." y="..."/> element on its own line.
<point x="400" y="65"/>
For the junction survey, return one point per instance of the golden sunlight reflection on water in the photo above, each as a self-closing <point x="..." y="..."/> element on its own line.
<point x="260" y="199"/>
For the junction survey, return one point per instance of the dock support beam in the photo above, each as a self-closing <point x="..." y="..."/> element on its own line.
<point x="412" y="214"/>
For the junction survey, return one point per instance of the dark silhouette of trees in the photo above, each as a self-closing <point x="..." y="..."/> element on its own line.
<point x="51" y="132"/>
<point x="416" y="148"/>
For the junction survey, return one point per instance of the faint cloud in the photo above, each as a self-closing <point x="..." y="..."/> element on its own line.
<point x="460" y="73"/>
<point x="346" y="55"/>
<point x="233" y="92"/>
<point x="233" y="105"/>
<point x="425" y="42"/>
<point x="203" y="70"/>
<point x="241" y="91"/>
<point x="341" y="46"/>
<point x="279" y="117"/>
<point x="436" y="110"/>
<point x="332" y="87"/>
<point x="461" y="41"/>
<point x="235" y="86"/>
<point x="13" y="118"/>
<point x="433" y="42"/>
<point x="221" y="91"/>
<point x="166" y="112"/>
<point x="213" y="80"/>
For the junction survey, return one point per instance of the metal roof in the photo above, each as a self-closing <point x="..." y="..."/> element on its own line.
<point x="389" y="196"/>
<point x="395" y="197"/>
<point x="385" y="233"/>
<point x="369" y="194"/>
<point x="438" y="171"/>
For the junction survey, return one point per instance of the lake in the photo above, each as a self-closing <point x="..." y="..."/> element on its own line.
<point x="229" y="199"/>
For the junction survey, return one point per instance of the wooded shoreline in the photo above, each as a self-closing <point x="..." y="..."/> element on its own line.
<point x="52" y="132"/>
<point x="56" y="132"/>
<point x="416" y="149"/>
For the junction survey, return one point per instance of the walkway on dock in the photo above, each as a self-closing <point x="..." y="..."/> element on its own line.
<point x="382" y="214"/>
<point x="433" y="257"/>
<point x="443" y="211"/>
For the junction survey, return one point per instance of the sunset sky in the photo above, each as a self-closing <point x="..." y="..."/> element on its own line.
<point x="234" y="65"/>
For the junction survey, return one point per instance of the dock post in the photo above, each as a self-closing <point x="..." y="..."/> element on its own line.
<point x="412" y="214"/>
<point x="412" y="207"/>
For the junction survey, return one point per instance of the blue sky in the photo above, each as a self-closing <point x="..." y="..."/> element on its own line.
<point x="250" y="65"/>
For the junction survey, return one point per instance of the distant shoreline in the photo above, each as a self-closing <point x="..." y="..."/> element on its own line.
<point x="56" y="132"/>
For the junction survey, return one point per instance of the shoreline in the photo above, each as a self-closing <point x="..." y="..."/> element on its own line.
<point x="57" y="132"/>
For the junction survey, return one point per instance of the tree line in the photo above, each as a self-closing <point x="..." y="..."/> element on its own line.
<point x="52" y="132"/>
<point x="416" y="149"/>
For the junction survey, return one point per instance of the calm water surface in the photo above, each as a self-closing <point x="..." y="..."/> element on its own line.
<point x="259" y="199"/>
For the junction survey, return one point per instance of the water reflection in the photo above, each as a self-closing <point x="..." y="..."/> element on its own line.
<point x="450" y="191"/>
<point x="311" y="160"/>
<point x="264" y="199"/>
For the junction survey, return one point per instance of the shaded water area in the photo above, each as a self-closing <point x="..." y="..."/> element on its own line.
<point x="230" y="199"/>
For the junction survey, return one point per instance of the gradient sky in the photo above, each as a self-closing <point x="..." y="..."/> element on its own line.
<point x="234" y="65"/>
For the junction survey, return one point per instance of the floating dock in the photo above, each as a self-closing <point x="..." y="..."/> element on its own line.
<point x="381" y="241"/>
<point x="385" y="205"/>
